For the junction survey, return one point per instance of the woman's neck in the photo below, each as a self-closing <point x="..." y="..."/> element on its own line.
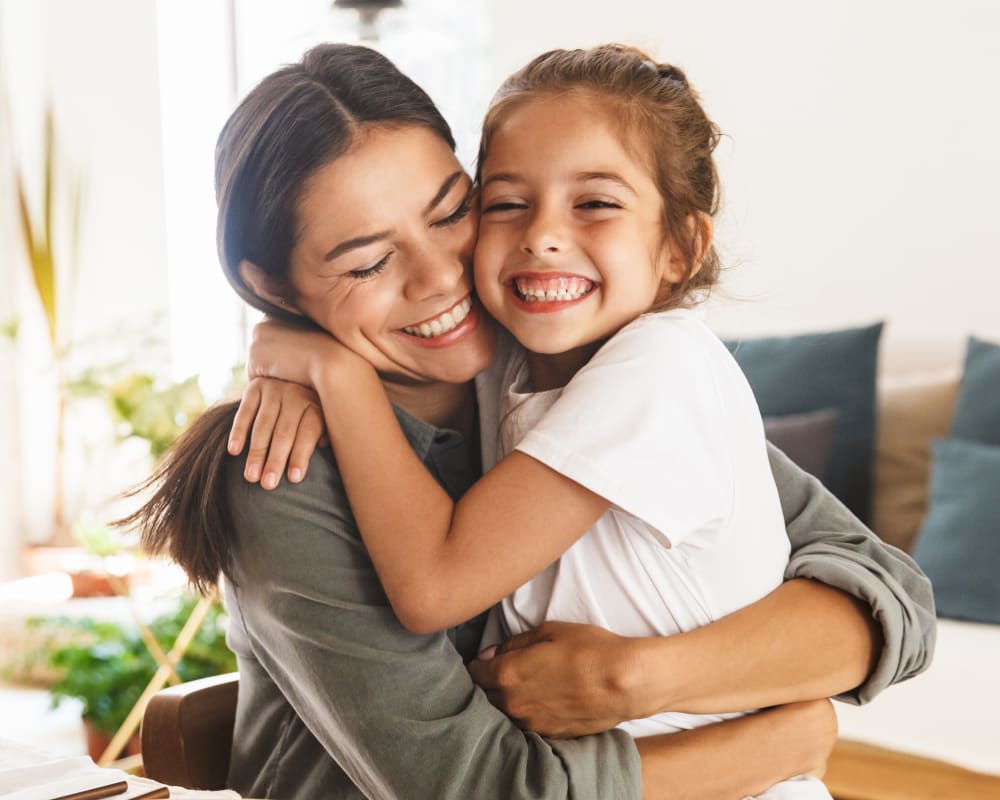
<point x="555" y="370"/>
<point x="443" y="405"/>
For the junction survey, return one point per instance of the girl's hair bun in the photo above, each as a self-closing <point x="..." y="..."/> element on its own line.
<point x="669" y="72"/>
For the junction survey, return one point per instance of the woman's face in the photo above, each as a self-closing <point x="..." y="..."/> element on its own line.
<point x="383" y="258"/>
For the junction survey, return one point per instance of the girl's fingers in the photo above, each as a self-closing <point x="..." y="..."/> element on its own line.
<point x="282" y="439"/>
<point x="244" y="418"/>
<point x="261" y="434"/>
<point x="307" y="438"/>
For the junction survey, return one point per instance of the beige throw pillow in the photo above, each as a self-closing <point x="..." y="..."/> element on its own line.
<point x="913" y="409"/>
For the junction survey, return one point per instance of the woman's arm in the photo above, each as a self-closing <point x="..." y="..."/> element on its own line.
<point x="832" y="546"/>
<point x="739" y="757"/>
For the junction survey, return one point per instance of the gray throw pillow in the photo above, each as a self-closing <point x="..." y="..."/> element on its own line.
<point x="804" y="438"/>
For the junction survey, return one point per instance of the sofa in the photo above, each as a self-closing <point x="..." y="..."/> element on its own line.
<point x="936" y="735"/>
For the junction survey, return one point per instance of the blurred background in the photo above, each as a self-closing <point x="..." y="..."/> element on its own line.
<point x="859" y="165"/>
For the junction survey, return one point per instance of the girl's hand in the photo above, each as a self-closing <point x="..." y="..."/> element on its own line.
<point x="560" y="679"/>
<point x="293" y="353"/>
<point x="286" y="424"/>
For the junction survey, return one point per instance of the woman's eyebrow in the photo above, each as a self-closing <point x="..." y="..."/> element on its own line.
<point x="450" y="181"/>
<point x="353" y="244"/>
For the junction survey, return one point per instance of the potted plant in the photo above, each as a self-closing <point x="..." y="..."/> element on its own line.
<point x="107" y="665"/>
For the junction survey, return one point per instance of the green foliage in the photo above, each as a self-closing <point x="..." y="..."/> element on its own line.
<point x="9" y="328"/>
<point x="107" y="665"/>
<point x="158" y="414"/>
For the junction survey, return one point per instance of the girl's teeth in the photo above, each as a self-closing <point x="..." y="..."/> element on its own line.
<point x="557" y="290"/>
<point x="447" y="321"/>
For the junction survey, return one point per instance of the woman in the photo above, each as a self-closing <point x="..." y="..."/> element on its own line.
<point x="328" y="170"/>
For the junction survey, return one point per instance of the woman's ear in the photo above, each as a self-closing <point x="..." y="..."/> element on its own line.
<point x="266" y="288"/>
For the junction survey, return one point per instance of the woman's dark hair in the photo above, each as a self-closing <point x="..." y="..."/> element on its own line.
<point x="293" y="123"/>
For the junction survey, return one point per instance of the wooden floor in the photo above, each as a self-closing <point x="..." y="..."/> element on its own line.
<point x="864" y="772"/>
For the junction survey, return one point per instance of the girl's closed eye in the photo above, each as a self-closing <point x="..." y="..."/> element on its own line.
<point x="589" y="205"/>
<point x="499" y="206"/>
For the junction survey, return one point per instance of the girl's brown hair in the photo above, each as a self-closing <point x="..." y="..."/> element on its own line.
<point x="662" y="121"/>
<point x="294" y="122"/>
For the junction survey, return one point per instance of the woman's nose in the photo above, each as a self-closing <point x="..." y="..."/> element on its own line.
<point x="434" y="272"/>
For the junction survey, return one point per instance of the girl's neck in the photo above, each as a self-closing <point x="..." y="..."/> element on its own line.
<point x="443" y="405"/>
<point x="555" y="370"/>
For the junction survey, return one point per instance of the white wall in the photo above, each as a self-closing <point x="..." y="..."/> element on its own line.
<point x="97" y="62"/>
<point x="861" y="171"/>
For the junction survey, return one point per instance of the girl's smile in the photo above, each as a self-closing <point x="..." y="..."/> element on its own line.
<point x="571" y="244"/>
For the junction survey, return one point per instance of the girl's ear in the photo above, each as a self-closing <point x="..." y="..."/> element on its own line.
<point x="700" y="229"/>
<point x="266" y="288"/>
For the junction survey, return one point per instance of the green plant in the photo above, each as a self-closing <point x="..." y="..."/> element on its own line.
<point x="107" y="665"/>
<point x="53" y="270"/>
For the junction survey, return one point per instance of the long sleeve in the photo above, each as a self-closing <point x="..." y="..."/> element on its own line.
<point x="830" y="545"/>
<point x="396" y="711"/>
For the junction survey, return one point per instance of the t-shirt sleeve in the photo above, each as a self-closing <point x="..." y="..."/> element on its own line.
<point x="397" y="711"/>
<point x="642" y="425"/>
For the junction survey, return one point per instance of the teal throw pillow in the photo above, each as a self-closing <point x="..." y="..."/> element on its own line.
<point x="836" y="370"/>
<point x="959" y="544"/>
<point x="977" y="412"/>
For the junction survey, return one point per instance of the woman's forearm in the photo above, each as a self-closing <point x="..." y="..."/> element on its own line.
<point x="801" y="642"/>
<point x="739" y="757"/>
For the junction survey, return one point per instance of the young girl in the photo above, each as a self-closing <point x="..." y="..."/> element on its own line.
<point x="630" y="485"/>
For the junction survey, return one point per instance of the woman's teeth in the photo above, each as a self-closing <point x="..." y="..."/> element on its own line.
<point x="442" y="323"/>
<point x="534" y="290"/>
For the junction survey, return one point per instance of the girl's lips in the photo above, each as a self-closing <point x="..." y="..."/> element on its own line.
<point x="548" y="292"/>
<point x="460" y="331"/>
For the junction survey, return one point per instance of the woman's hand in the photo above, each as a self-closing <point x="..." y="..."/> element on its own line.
<point x="561" y="679"/>
<point x="285" y="424"/>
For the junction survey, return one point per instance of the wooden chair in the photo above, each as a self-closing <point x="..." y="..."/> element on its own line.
<point x="187" y="733"/>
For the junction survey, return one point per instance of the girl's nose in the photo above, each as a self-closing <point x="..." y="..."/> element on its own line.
<point x="544" y="235"/>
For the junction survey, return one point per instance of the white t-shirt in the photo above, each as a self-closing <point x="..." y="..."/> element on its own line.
<point x="662" y="423"/>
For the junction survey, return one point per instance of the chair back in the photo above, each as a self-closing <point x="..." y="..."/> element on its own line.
<point x="187" y="733"/>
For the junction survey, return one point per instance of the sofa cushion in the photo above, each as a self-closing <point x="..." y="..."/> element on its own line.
<point x="798" y="374"/>
<point x="913" y="409"/>
<point x="977" y="415"/>
<point x="804" y="438"/>
<point x="959" y="544"/>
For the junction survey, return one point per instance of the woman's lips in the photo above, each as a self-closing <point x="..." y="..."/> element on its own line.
<point x="541" y="294"/>
<point x="447" y="327"/>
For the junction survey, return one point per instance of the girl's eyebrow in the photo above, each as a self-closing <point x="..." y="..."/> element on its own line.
<point x="606" y="176"/>
<point x="503" y="177"/>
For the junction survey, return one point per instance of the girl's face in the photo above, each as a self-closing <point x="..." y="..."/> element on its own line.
<point x="571" y="244"/>
<point x="383" y="258"/>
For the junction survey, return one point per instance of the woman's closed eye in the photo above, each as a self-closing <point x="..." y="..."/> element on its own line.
<point x="366" y="273"/>
<point x="458" y="214"/>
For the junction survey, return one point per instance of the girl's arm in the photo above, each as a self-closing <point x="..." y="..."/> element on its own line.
<point x="440" y="563"/>
<point x="443" y="562"/>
